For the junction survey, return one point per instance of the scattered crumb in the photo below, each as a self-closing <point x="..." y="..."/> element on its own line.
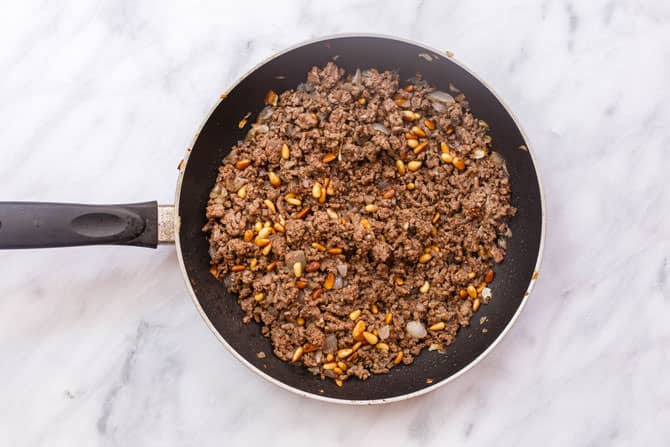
<point x="223" y="95"/>
<point x="536" y="275"/>
<point x="482" y="320"/>
<point x="260" y="355"/>
<point x="523" y="147"/>
<point x="180" y="166"/>
<point x="429" y="380"/>
<point x="484" y="331"/>
<point x="449" y="53"/>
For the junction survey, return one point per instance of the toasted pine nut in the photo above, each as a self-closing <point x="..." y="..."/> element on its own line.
<point x="265" y="232"/>
<point x="242" y="192"/>
<point x="409" y="88"/>
<point x="365" y="224"/>
<point x="398" y="358"/>
<point x="290" y="195"/>
<point x="458" y="163"/>
<point x="382" y="346"/>
<point x="463" y="293"/>
<point x="357" y="332"/>
<point x="361" y="101"/>
<point x="297" y="355"/>
<point x="302" y="213"/>
<point x="425" y="258"/>
<point x="429" y="124"/>
<point x="446" y="157"/>
<point x="471" y="275"/>
<point x="243" y="164"/>
<point x="476" y="304"/>
<point x="344" y="353"/>
<point x="318" y="246"/>
<point x="271" y="266"/>
<point x="330" y="357"/>
<point x="294" y="201"/>
<point x="388" y="193"/>
<point x="410" y="186"/>
<point x="274" y="179"/>
<point x="214" y="271"/>
<point x="331" y="213"/>
<point x="407" y="115"/>
<point x="424" y="287"/>
<point x="355" y="314"/>
<point x="322" y="197"/>
<point x="371" y="208"/>
<point x="370" y="338"/>
<point x="266" y="250"/>
<point x="410" y="136"/>
<point x="261" y="242"/>
<point x="437" y="326"/>
<point x="414" y="165"/>
<point x="330" y="189"/>
<point x="489" y="276"/>
<point x="300" y="284"/>
<point x="258" y="225"/>
<point x="356" y="345"/>
<point x="297" y="269"/>
<point x="300" y="321"/>
<point x="285" y="152"/>
<point x="248" y="235"/>
<point x="253" y="263"/>
<point x="342" y="366"/>
<point x="316" y="294"/>
<point x="316" y="190"/>
<point x="329" y="282"/>
<point x="330" y="156"/>
<point x="271" y="98"/>
<point x="260" y="296"/>
<point x="238" y="268"/>
<point x="399" y="281"/>
<point x="388" y="318"/>
<point x="416" y="130"/>
<point x="330" y="365"/>
<point x="400" y="166"/>
<point x="472" y="291"/>
<point x="450" y="130"/>
<point x="374" y="309"/>
<point x="444" y="147"/>
<point x="436" y="217"/>
<point x="271" y="206"/>
<point x="279" y="227"/>
<point x="313" y="266"/>
<point x="337" y="370"/>
<point x="481" y="287"/>
<point x="335" y="251"/>
<point x="412" y="143"/>
<point x="339" y="383"/>
<point x="420" y="148"/>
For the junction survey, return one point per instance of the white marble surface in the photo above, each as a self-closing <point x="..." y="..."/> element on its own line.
<point x="102" y="346"/>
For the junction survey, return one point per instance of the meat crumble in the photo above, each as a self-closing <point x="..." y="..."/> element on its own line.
<point x="359" y="221"/>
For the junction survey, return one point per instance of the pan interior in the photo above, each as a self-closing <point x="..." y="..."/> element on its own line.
<point x="221" y="131"/>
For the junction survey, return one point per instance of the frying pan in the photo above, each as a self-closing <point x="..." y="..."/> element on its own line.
<point x="39" y="225"/>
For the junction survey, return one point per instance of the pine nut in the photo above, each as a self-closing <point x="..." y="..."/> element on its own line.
<point x="313" y="266"/>
<point x="458" y="163"/>
<point x="300" y="284"/>
<point x="399" y="281"/>
<point x="398" y="358"/>
<point x="293" y="201"/>
<point x="388" y="318"/>
<point x="389" y="193"/>
<point x="329" y="281"/>
<point x="271" y="206"/>
<point x="271" y="98"/>
<point x="342" y="366"/>
<point x="436" y="217"/>
<point x="274" y="179"/>
<point x="424" y="287"/>
<point x="374" y="309"/>
<point x="382" y="346"/>
<point x="344" y="353"/>
<point x="366" y="224"/>
<point x="300" y="321"/>
<point x="265" y="232"/>
<point x="361" y="101"/>
<point x="253" y="263"/>
<point x="355" y="314"/>
<point x="420" y="148"/>
<point x="330" y="365"/>
<point x="429" y="124"/>
<point x="356" y="345"/>
<point x="339" y="383"/>
<point x="424" y="258"/>
<point x="242" y="192"/>
<point x="414" y="165"/>
<point x="410" y="186"/>
<point x="330" y="156"/>
<point x="412" y="143"/>
<point x="444" y="148"/>
<point x="297" y="355"/>
<point x="302" y="213"/>
<point x="472" y="291"/>
<point x="259" y="297"/>
<point x="279" y="227"/>
<point x="400" y="166"/>
<point x="318" y="246"/>
<point x="238" y="268"/>
<point x="370" y="338"/>
<point x="337" y="370"/>
<point x="357" y="332"/>
<point x="316" y="190"/>
<point x="489" y="276"/>
<point x="476" y="304"/>
<point x="335" y="251"/>
<point x="437" y="326"/>
<point x="266" y="250"/>
<point x="271" y="266"/>
<point x="243" y="164"/>
<point x="331" y="213"/>
<point x="297" y="269"/>
<point x="330" y="358"/>
<point x="248" y="235"/>
<point x="463" y="293"/>
<point x="371" y="208"/>
<point x="407" y="115"/>
<point x="471" y="275"/>
<point x="285" y="152"/>
<point x="261" y="242"/>
<point x="416" y="130"/>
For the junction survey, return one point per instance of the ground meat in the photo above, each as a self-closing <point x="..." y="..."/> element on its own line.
<point x="353" y="208"/>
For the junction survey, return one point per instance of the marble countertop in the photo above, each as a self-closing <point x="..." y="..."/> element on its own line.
<point x="102" y="346"/>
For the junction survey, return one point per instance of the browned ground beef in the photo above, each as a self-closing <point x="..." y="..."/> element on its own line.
<point x="381" y="244"/>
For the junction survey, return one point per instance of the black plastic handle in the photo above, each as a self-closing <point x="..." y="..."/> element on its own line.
<point x="45" y="225"/>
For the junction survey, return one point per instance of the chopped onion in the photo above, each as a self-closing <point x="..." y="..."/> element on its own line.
<point x="416" y="329"/>
<point x="420" y="307"/>
<point x="426" y="56"/>
<point x="498" y="160"/>
<point x="305" y="87"/>
<point x="256" y="129"/>
<point x="342" y="269"/>
<point x="380" y="127"/>
<point x="384" y="332"/>
<point x="439" y="106"/>
<point x="331" y="344"/>
<point x="338" y="284"/>
<point x="440" y="96"/>
<point x="295" y="256"/>
<point x="318" y="355"/>
<point x="486" y="293"/>
<point x="478" y="153"/>
<point x="357" y="77"/>
<point x="265" y="114"/>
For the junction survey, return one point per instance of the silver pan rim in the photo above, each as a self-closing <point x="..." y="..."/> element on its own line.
<point x="401" y="397"/>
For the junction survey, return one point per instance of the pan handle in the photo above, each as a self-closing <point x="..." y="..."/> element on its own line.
<point x="45" y="225"/>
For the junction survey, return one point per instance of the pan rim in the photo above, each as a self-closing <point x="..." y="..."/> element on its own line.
<point x="401" y="397"/>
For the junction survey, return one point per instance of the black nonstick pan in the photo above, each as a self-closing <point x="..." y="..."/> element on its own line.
<point x="40" y="225"/>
